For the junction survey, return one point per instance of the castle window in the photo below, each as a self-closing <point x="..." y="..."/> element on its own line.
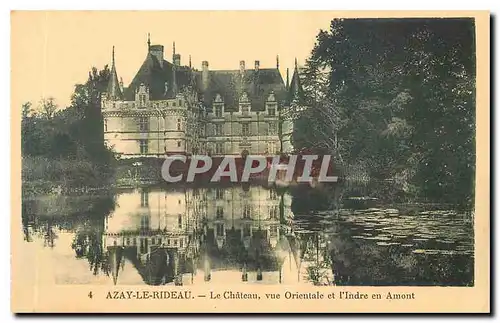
<point x="273" y="212"/>
<point x="219" y="194"/>
<point x="181" y="243"/>
<point x="219" y="212"/>
<point x="272" y="128"/>
<point x="247" y="230"/>
<point x="244" y="109"/>
<point x="218" y="111"/>
<point x="179" y="220"/>
<point x="272" y="195"/>
<point x="142" y="100"/>
<point x="219" y="130"/>
<point x="247" y="212"/>
<point x="245" y="129"/>
<point x="219" y="148"/>
<point x="144" y="199"/>
<point x="105" y="124"/>
<point x="143" y="123"/>
<point x="144" y="222"/>
<point x="178" y="124"/>
<point x="271" y="147"/>
<point x="143" y="146"/>
<point x="143" y="246"/>
<point x="174" y="104"/>
<point x="220" y="229"/>
<point x="271" y="111"/>
<point x="178" y="144"/>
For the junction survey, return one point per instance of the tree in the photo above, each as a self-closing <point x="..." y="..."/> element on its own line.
<point x="48" y="107"/>
<point x="71" y="136"/>
<point x="396" y="96"/>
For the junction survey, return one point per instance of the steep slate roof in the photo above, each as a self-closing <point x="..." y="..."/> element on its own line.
<point x="154" y="75"/>
<point x="230" y="84"/>
<point x="115" y="259"/>
<point x="234" y="255"/>
<point x="156" y="270"/>
<point x="295" y="90"/>
<point x="113" y="90"/>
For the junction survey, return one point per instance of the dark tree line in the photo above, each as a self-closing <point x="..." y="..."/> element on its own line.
<point x="67" y="144"/>
<point x="396" y="97"/>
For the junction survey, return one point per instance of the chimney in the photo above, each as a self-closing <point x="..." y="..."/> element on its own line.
<point x="157" y="51"/>
<point x="257" y="64"/>
<point x="204" y="75"/>
<point x="242" y="67"/>
<point x="177" y="59"/>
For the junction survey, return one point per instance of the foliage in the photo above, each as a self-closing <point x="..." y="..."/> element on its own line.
<point x="397" y="97"/>
<point x="68" y="145"/>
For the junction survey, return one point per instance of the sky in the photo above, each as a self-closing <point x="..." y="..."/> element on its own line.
<point x="51" y="51"/>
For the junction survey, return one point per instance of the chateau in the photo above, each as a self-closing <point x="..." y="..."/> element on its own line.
<point x="170" y="108"/>
<point x="212" y="234"/>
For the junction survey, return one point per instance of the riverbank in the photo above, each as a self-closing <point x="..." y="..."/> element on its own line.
<point x="42" y="175"/>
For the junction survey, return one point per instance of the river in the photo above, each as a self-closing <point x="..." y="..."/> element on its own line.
<point x="236" y="234"/>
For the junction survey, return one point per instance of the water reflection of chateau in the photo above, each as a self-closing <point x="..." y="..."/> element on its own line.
<point x="218" y="234"/>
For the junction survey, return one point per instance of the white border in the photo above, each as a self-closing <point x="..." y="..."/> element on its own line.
<point x="6" y="316"/>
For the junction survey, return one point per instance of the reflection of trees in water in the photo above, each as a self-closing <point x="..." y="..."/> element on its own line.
<point x="306" y="200"/>
<point x="321" y="243"/>
<point x="366" y="263"/>
<point x="359" y="261"/>
<point x="88" y="244"/>
<point x="88" y="225"/>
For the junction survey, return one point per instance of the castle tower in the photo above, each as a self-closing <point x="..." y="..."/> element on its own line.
<point x="114" y="90"/>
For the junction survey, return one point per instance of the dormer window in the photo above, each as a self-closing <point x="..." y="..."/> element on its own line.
<point x="142" y="100"/>
<point x="245" y="109"/>
<point x="244" y="97"/>
<point x="218" y="111"/>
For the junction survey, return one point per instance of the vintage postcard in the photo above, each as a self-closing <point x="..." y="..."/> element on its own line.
<point x="250" y="161"/>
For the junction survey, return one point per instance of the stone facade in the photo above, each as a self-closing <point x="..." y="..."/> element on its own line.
<point x="193" y="228"/>
<point x="173" y="109"/>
